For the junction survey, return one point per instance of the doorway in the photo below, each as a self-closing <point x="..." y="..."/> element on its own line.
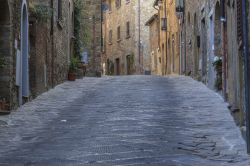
<point x="117" y="65"/>
<point x="24" y="81"/>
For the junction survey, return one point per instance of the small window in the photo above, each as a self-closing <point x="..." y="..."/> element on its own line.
<point x="110" y="37"/>
<point x="118" y="3"/>
<point x="103" y="44"/>
<point x="164" y="24"/>
<point x="118" y="33"/>
<point x="110" y="5"/>
<point x="128" y="29"/>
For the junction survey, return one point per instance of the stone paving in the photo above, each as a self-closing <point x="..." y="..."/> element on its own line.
<point x="123" y="121"/>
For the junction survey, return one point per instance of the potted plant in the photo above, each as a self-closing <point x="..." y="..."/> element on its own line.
<point x="217" y="63"/>
<point x="2" y="63"/>
<point x="73" y="68"/>
<point x="4" y="107"/>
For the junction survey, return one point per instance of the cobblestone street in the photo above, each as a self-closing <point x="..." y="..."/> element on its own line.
<point x="130" y="120"/>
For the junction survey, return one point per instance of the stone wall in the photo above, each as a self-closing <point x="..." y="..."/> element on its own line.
<point x="146" y="12"/>
<point x="50" y="48"/>
<point x="169" y="38"/>
<point x="50" y="45"/>
<point x="154" y="24"/>
<point x="127" y="48"/>
<point x="9" y="32"/>
<point x="203" y="18"/>
<point x="126" y="45"/>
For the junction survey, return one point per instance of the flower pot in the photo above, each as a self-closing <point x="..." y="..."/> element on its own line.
<point x="4" y="108"/>
<point x="71" y="76"/>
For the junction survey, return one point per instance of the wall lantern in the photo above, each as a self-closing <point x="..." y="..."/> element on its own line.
<point x="223" y="14"/>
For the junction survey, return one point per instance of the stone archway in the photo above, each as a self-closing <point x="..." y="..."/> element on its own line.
<point x="24" y="80"/>
<point x="5" y="50"/>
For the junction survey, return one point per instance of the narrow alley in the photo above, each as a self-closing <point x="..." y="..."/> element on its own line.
<point x="126" y="120"/>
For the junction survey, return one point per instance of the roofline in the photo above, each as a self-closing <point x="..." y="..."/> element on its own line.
<point x="156" y="3"/>
<point x="151" y="19"/>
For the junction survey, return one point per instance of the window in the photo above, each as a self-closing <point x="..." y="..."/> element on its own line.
<point x="163" y="24"/>
<point x="110" y="5"/>
<point x="59" y="12"/>
<point x="118" y="33"/>
<point x="103" y="44"/>
<point x="127" y="1"/>
<point x="128" y="29"/>
<point x="118" y="3"/>
<point x="110" y="37"/>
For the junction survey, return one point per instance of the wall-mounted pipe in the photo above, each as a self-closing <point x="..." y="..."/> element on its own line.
<point x="246" y="71"/>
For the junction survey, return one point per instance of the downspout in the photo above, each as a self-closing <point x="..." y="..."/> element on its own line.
<point x="139" y="33"/>
<point x="166" y="37"/>
<point x="157" y="9"/>
<point x="185" y="39"/>
<point x="246" y="72"/>
<point x="102" y="42"/>
<point x="223" y="20"/>
<point x="52" y="43"/>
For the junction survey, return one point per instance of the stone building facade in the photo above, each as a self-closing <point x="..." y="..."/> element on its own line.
<point x="145" y="14"/>
<point x="119" y="38"/>
<point x="154" y="33"/>
<point x="36" y="39"/>
<point x="211" y="31"/>
<point x="125" y="36"/>
<point x="51" y="41"/>
<point x="169" y="36"/>
<point x="91" y="32"/>
<point x="13" y="32"/>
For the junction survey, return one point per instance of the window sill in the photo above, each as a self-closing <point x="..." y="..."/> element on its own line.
<point x="110" y="43"/>
<point x="128" y="37"/>
<point x="119" y="40"/>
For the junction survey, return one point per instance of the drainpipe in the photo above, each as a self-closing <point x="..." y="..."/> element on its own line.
<point x="52" y="43"/>
<point x="139" y="29"/>
<point x="166" y="38"/>
<point x="246" y="72"/>
<point x="224" y="28"/>
<point x="94" y="67"/>
<point x="185" y="39"/>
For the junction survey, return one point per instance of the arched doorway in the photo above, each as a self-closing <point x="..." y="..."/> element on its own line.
<point x="4" y="50"/>
<point x="24" y="87"/>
